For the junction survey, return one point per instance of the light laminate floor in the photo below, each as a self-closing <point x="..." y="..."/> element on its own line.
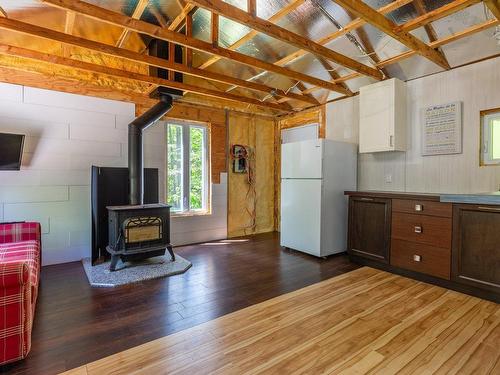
<point x="365" y="321"/>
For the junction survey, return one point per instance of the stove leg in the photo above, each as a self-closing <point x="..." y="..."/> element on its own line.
<point x="114" y="262"/>
<point x="171" y="252"/>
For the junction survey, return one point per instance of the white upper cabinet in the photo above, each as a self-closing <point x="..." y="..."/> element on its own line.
<point x="382" y="117"/>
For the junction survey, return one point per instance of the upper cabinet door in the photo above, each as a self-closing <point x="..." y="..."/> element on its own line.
<point x="302" y="159"/>
<point x="382" y="117"/>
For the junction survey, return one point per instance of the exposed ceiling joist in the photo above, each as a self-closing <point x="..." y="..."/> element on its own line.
<point x="443" y="41"/>
<point x="139" y="26"/>
<point x="355" y="24"/>
<point x="382" y="23"/>
<point x="49" y="34"/>
<point x="231" y="12"/>
<point x="351" y="26"/>
<point x="494" y="7"/>
<point x="436" y="14"/>
<point x="69" y="25"/>
<point x="139" y="10"/>
<point x="410" y="25"/>
<point x="247" y="37"/>
<point x="189" y="33"/>
<point x="436" y="44"/>
<point x="19" y="75"/>
<point x="162" y="21"/>
<point x="251" y="7"/>
<point x="179" y="20"/>
<point x="421" y="9"/>
<point x="100" y="69"/>
<point x="214" y="33"/>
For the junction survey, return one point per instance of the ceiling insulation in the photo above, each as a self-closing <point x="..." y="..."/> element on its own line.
<point x="313" y="19"/>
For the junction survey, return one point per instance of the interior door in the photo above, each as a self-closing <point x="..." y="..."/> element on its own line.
<point x="302" y="159"/>
<point x="301" y="215"/>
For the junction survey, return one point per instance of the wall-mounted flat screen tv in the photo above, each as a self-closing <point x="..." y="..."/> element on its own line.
<point x="11" y="151"/>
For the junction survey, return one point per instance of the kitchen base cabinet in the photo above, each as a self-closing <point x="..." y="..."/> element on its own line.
<point x="369" y="228"/>
<point x="476" y="246"/>
<point x="456" y="246"/>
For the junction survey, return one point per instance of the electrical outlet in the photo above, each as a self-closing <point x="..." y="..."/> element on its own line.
<point x="388" y="178"/>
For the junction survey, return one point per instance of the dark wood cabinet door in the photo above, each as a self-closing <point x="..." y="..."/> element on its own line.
<point x="476" y="246"/>
<point x="370" y="228"/>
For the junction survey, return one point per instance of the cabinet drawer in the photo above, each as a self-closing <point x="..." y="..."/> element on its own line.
<point x="422" y="258"/>
<point x="430" y="230"/>
<point x="417" y="207"/>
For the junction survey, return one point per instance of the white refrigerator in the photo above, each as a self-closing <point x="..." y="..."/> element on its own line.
<point x="314" y="176"/>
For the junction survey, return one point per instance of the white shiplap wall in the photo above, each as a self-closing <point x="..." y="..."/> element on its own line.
<point x="477" y="87"/>
<point x="66" y="134"/>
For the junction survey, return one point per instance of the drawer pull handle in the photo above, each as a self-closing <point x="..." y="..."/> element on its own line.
<point x="417" y="258"/>
<point x="419" y="207"/>
<point x="418" y="229"/>
<point x="367" y="199"/>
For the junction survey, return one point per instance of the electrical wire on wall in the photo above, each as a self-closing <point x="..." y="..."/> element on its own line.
<point x="243" y="160"/>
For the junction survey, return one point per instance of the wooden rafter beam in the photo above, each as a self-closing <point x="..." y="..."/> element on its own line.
<point x="421" y="9"/>
<point x="436" y="44"/>
<point x="353" y="25"/>
<point x="249" y="36"/>
<point x="180" y="19"/>
<point x="252" y="7"/>
<point x="189" y="33"/>
<point x="19" y="75"/>
<point x="422" y="20"/>
<point x="139" y="10"/>
<point x="153" y="9"/>
<point x="142" y="78"/>
<point x="436" y="14"/>
<point x="214" y="23"/>
<point x="494" y="7"/>
<point x="69" y="25"/>
<point x="139" y="26"/>
<point x="332" y="72"/>
<point x="37" y="31"/>
<point x="382" y="23"/>
<point x="443" y="41"/>
<point x="231" y="12"/>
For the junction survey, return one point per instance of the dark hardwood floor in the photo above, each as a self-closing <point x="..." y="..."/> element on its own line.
<point x="76" y="324"/>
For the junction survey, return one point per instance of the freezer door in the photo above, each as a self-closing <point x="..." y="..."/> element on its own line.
<point x="301" y="215"/>
<point x="302" y="159"/>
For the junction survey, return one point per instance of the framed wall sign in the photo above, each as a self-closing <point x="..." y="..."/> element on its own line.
<point x="442" y="129"/>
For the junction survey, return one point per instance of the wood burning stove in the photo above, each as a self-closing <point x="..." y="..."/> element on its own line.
<point x="137" y="232"/>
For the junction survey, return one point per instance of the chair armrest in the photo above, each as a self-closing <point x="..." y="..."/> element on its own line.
<point x="13" y="274"/>
<point x="16" y="232"/>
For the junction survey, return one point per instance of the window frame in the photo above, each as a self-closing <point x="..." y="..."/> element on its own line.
<point x="186" y="167"/>
<point x="485" y="138"/>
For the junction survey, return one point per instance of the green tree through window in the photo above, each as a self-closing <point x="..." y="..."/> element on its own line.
<point x="187" y="168"/>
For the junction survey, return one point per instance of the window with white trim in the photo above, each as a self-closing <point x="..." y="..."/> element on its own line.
<point x="187" y="168"/>
<point x="490" y="137"/>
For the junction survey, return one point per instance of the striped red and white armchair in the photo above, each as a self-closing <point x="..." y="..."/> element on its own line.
<point x="20" y="247"/>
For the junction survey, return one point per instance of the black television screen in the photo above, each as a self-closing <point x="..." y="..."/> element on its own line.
<point x="11" y="151"/>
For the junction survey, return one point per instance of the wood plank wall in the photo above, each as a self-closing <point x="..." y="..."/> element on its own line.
<point x="310" y="116"/>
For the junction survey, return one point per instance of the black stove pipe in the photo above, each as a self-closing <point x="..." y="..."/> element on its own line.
<point x="135" y="147"/>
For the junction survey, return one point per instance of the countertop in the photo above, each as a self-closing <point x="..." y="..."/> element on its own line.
<point x="479" y="198"/>
<point x="492" y="198"/>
